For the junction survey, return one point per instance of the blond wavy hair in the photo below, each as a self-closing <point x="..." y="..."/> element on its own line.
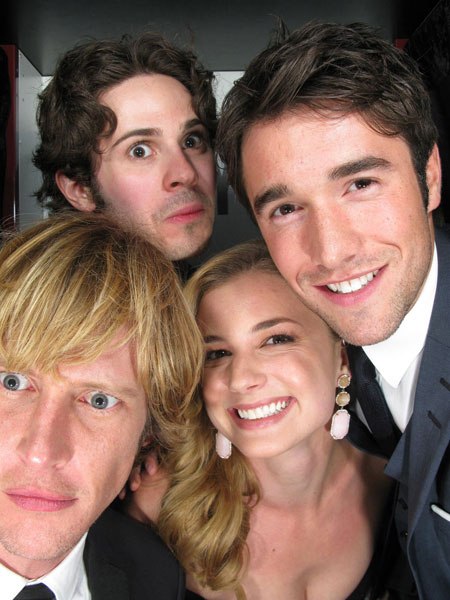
<point x="72" y="283"/>
<point x="205" y="513"/>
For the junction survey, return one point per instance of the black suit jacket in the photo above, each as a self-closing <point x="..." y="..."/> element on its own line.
<point x="421" y="461"/>
<point x="126" y="560"/>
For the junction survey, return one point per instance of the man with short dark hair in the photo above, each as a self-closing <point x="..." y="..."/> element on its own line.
<point x="328" y="139"/>
<point x="127" y="128"/>
<point x="98" y="353"/>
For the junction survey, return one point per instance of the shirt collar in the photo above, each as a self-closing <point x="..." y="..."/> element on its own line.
<point x="11" y="583"/>
<point x="68" y="575"/>
<point x="393" y="356"/>
<point x="63" y="580"/>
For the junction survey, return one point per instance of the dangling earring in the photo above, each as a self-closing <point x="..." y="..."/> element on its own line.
<point x="341" y="418"/>
<point x="223" y="446"/>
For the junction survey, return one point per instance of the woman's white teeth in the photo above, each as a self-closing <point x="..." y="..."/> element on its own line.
<point x="261" y="412"/>
<point x="353" y="285"/>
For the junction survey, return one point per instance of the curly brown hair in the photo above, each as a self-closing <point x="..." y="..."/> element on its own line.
<point x="71" y="120"/>
<point x="331" y="69"/>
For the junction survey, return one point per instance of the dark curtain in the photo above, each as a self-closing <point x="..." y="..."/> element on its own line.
<point x="5" y="99"/>
<point x="429" y="45"/>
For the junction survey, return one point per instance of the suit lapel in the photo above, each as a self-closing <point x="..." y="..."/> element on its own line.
<point x="429" y="429"/>
<point x="106" y="580"/>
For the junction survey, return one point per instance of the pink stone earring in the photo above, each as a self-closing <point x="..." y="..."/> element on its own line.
<point x="341" y="418"/>
<point x="223" y="446"/>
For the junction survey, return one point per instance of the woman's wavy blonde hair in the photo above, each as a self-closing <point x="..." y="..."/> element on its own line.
<point x="72" y="283"/>
<point x="205" y="513"/>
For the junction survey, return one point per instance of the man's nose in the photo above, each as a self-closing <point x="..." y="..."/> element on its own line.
<point x="333" y="239"/>
<point x="46" y="440"/>
<point x="179" y="172"/>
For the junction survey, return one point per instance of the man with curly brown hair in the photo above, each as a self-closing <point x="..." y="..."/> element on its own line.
<point x="127" y="128"/>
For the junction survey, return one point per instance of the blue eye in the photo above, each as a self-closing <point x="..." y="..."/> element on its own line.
<point x="101" y="401"/>
<point x="14" y="382"/>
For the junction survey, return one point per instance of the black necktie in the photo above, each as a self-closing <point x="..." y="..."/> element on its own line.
<point x="39" y="591"/>
<point x="372" y="402"/>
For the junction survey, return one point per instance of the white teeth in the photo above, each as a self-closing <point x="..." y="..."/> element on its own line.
<point x="356" y="284"/>
<point x="261" y="412"/>
<point x="345" y="287"/>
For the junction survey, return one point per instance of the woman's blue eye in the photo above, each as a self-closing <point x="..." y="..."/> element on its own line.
<point x="101" y="401"/>
<point x="14" y="382"/>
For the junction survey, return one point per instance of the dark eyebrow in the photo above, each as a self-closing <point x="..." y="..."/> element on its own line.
<point x="356" y="166"/>
<point x="280" y="191"/>
<point x="270" y="195"/>
<point x="146" y="132"/>
<point x="192" y="123"/>
<point x="154" y="131"/>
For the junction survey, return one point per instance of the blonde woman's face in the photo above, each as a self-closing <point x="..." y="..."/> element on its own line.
<point x="271" y="365"/>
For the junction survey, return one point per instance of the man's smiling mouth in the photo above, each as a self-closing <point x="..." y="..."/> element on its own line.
<point x="353" y="285"/>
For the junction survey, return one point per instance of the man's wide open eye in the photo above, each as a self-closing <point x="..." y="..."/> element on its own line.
<point x="14" y="382"/>
<point x="140" y="150"/>
<point x="101" y="401"/>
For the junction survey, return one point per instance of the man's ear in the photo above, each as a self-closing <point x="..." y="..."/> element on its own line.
<point x="78" y="195"/>
<point x="433" y="174"/>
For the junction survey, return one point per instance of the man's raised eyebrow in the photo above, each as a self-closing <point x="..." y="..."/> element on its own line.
<point x="145" y="132"/>
<point x="270" y="195"/>
<point x="192" y="123"/>
<point x="356" y="166"/>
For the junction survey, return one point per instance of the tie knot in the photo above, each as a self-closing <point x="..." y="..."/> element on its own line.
<point x="38" y="591"/>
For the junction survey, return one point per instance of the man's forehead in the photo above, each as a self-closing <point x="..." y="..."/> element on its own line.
<point x="148" y="85"/>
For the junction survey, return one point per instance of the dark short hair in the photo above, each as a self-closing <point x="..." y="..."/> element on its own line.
<point x="72" y="122"/>
<point x="332" y="69"/>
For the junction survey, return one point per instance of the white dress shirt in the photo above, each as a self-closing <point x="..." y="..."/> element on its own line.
<point x="397" y="359"/>
<point x="67" y="581"/>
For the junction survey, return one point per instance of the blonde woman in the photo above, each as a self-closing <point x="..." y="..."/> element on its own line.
<point x="265" y="500"/>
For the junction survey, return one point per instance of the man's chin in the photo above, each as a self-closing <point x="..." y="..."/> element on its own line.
<point x="185" y="250"/>
<point x="33" y="553"/>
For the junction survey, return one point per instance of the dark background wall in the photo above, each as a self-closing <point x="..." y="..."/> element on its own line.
<point x="226" y="34"/>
